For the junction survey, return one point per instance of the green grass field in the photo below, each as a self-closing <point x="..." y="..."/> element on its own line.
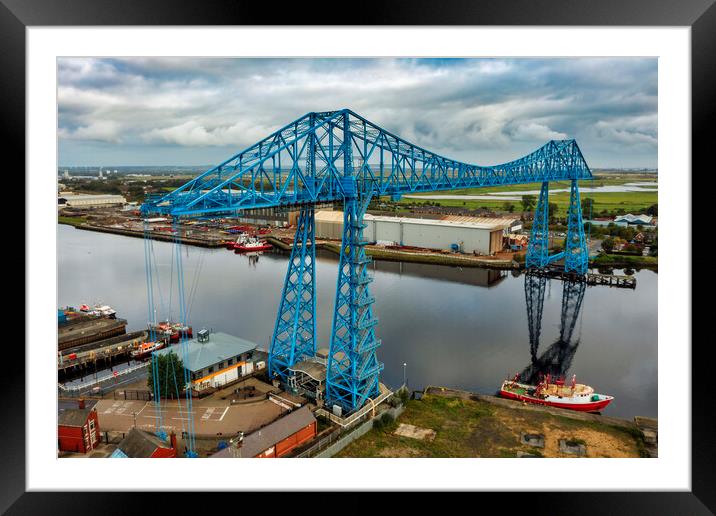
<point x="633" y="202"/>
<point x="72" y="221"/>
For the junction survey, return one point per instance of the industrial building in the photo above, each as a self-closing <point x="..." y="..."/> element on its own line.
<point x="634" y="220"/>
<point x="89" y="201"/>
<point x="275" y="217"/>
<point x="276" y="439"/>
<point x="464" y="234"/>
<point x="217" y="359"/>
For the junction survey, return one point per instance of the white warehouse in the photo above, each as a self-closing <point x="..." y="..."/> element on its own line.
<point x="89" y="201"/>
<point x="468" y="234"/>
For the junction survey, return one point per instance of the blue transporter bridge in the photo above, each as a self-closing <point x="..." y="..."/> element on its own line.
<point x="340" y="157"/>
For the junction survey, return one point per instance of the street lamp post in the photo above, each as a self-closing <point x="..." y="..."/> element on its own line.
<point x="405" y="380"/>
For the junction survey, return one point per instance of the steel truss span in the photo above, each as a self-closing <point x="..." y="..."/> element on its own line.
<point x="339" y="156"/>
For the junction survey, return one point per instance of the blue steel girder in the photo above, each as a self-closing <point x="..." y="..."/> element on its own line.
<point x="300" y="164"/>
<point x="576" y="257"/>
<point x="340" y="156"/>
<point x="353" y="369"/>
<point x="538" y="245"/>
<point x="294" y="334"/>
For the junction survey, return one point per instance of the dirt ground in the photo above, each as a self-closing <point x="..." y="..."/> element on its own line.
<point x="599" y="443"/>
<point x="477" y="428"/>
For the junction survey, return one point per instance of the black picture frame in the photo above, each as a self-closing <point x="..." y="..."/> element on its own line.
<point x="700" y="15"/>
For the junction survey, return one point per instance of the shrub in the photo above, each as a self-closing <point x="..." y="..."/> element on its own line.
<point x="608" y="244"/>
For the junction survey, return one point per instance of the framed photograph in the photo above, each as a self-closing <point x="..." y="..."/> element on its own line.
<point x="406" y="252"/>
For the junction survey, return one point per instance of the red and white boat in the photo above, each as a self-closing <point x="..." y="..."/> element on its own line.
<point x="171" y="330"/>
<point x="244" y="244"/>
<point x="575" y="396"/>
<point x="99" y="311"/>
<point x="145" y="349"/>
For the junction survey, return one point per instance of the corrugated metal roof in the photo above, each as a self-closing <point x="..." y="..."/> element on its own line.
<point x="446" y="220"/>
<point x="492" y="225"/>
<point x="481" y="220"/>
<point x="329" y="216"/>
<point x="263" y="439"/>
<point x="218" y="348"/>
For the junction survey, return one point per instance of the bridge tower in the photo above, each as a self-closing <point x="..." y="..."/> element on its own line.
<point x="353" y="370"/>
<point x="294" y="335"/>
<point x="538" y="246"/>
<point x="576" y="257"/>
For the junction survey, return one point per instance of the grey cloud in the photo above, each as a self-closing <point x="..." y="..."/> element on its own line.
<point x="480" y="110"/>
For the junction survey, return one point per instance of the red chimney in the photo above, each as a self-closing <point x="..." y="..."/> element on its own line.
<point x="173" y="440"/>
<point x="81" y="403"/>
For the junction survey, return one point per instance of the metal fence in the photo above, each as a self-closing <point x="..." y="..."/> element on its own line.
<point x="132" y="394"/>
<point x="344" y="436"/>
<point x="105" y="385"/>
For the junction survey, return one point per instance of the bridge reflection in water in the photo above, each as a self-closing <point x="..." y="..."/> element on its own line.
<point x="476" y="276"/>
<point x="557" y="358"/>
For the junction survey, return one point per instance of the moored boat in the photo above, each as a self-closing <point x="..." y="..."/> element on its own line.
<point x="171" y="331"/>
<point x="251" y="244"/>
<point x="145" y="349"/>
<point x="99" y="311"/>
<point x="575" y="396"/>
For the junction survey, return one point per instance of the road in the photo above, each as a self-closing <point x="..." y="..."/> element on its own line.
<point x="211" y="417"/>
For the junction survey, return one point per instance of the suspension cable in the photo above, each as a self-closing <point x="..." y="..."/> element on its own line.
<point x="154" y="361"/>
<point x="183" y="342"/>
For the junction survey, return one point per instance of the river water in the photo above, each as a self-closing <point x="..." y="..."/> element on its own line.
<point x="465" y="328"/>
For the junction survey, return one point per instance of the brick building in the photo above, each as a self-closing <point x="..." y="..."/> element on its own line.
<point x="277" y="439"/>
<point x="78" y="430"/>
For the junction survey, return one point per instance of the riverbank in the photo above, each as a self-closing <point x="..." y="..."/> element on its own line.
<point x="625" y="261"/>
<point x="164" y="237"/>
<point x="70" y="221"/>
<point x="430" y="258"/>
<point x="456" y="423"/>
<point x="379" y="253"/>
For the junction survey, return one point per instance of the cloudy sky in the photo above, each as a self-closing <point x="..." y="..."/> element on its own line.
<point x="178" y="111"/>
